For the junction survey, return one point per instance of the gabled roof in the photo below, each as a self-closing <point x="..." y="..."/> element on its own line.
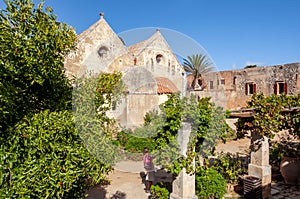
<point x="100" y="34"/>
<point x="100" y="23"/>
<point x="138" y="48"/>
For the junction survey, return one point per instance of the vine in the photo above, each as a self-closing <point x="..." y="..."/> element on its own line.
<point x="272" y="114"/>
<point x="208" y="125"/>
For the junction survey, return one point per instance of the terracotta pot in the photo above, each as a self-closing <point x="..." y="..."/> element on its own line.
<point x="290" y="170"/>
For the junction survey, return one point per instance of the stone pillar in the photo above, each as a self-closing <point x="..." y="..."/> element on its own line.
<point x="259" y="166"/>
<point x="184" y="184"/>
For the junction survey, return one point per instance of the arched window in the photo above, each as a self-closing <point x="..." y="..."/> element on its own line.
<point x="234" y="80"/>
<point x="159" y="58"/>
<point x="102" y="52"/>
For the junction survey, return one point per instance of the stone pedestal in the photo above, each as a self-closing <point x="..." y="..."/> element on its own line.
<point x="184" y="184"/>
<point x="259" y="166"/>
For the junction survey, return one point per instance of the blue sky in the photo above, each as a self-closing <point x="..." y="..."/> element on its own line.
<point x="234" y="33"/>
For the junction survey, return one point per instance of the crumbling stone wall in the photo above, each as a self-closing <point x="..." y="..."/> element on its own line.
<point x="232" y="84"/>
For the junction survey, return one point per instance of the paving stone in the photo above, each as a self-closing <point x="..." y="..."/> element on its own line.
<point x="295" y="188"/>
<point x="278" y="197"/>
<point x="296" y="192"/>
<point x="292" y="196"/>
<point x="274" y="191"/>
<point x="285" y="193"/>
<point x="279" y="188"/>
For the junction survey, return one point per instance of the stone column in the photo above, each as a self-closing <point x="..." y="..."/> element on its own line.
<point x="259" y="166"/>
<point x="184" y="184"/>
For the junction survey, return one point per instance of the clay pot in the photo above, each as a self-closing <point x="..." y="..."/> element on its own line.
<point x="290" y="170"/>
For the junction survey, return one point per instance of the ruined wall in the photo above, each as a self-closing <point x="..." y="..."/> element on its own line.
<point x="232" y="89"/>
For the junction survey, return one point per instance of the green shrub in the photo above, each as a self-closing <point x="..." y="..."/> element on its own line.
<point x="229" y="166"/>
<point x="283" y="147"/>
<point x="45" y="158"/>
<point x="33" y="47"/>
<point x="209" y="183"/>
<point x="137" y="144"/>
<point x="159" y="192"/>
<point x="132" y="142"/>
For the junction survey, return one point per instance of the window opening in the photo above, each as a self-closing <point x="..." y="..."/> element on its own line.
<point x="250" y="88"/>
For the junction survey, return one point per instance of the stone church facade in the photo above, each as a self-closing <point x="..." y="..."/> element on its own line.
<point x="151" y="71"/>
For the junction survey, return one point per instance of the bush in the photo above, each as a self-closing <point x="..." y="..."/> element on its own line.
<point x="33" y="47"/>
<point x="136" y="144"/>
<point x="285" y="147"/>
<point x="159" y="192"/>
<point x="209" y="183"/>
<point x="230" y="166"/>
<point x="132" y="142"/>
<point x="45" y="158"/>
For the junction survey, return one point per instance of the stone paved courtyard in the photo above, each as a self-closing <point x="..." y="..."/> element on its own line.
<point x="129" y="184"/>
<point x="126" y="181"/>
<point x="280" y="191"/>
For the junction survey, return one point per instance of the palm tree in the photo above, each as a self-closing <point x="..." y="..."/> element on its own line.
<point x="197" y="65"/>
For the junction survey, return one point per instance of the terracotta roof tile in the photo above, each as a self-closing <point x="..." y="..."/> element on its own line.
<point x="165" y="86"/>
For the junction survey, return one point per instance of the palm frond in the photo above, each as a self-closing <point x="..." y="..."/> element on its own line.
<point x="197" y="64"/>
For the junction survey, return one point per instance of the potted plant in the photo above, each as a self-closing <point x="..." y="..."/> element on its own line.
<point x="287" y="153"/>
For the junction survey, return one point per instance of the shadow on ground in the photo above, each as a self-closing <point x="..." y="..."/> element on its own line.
<point x="99" y="192"/>
<point x="132" y="190"/>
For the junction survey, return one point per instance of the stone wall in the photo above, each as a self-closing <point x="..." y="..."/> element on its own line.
<point x="156" y="56"/>
<point x="137" y="106"/>
<point x="232" y="89"/>
<point x="97" y="49"/>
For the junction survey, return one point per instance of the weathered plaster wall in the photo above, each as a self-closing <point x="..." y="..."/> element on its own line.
<point x="137" y="106"/>
<point x="97" y="48"/>
<point x="156" y="56"/>
<point x="228" y="87"/>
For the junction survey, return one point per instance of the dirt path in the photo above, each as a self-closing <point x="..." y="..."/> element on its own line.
<point x="235" y="146"/>
<point x="126" y="182"/>
<point x="123" y="185"/>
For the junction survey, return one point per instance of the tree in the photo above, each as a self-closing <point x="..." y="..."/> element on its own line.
<point x="45" y="158"/>
<point x="274" y="114"/>
<point x="197" y="65"/>
<point x="33" y="45"/>
<point x="41" y="152"/>
<point x="208" y="126"/>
